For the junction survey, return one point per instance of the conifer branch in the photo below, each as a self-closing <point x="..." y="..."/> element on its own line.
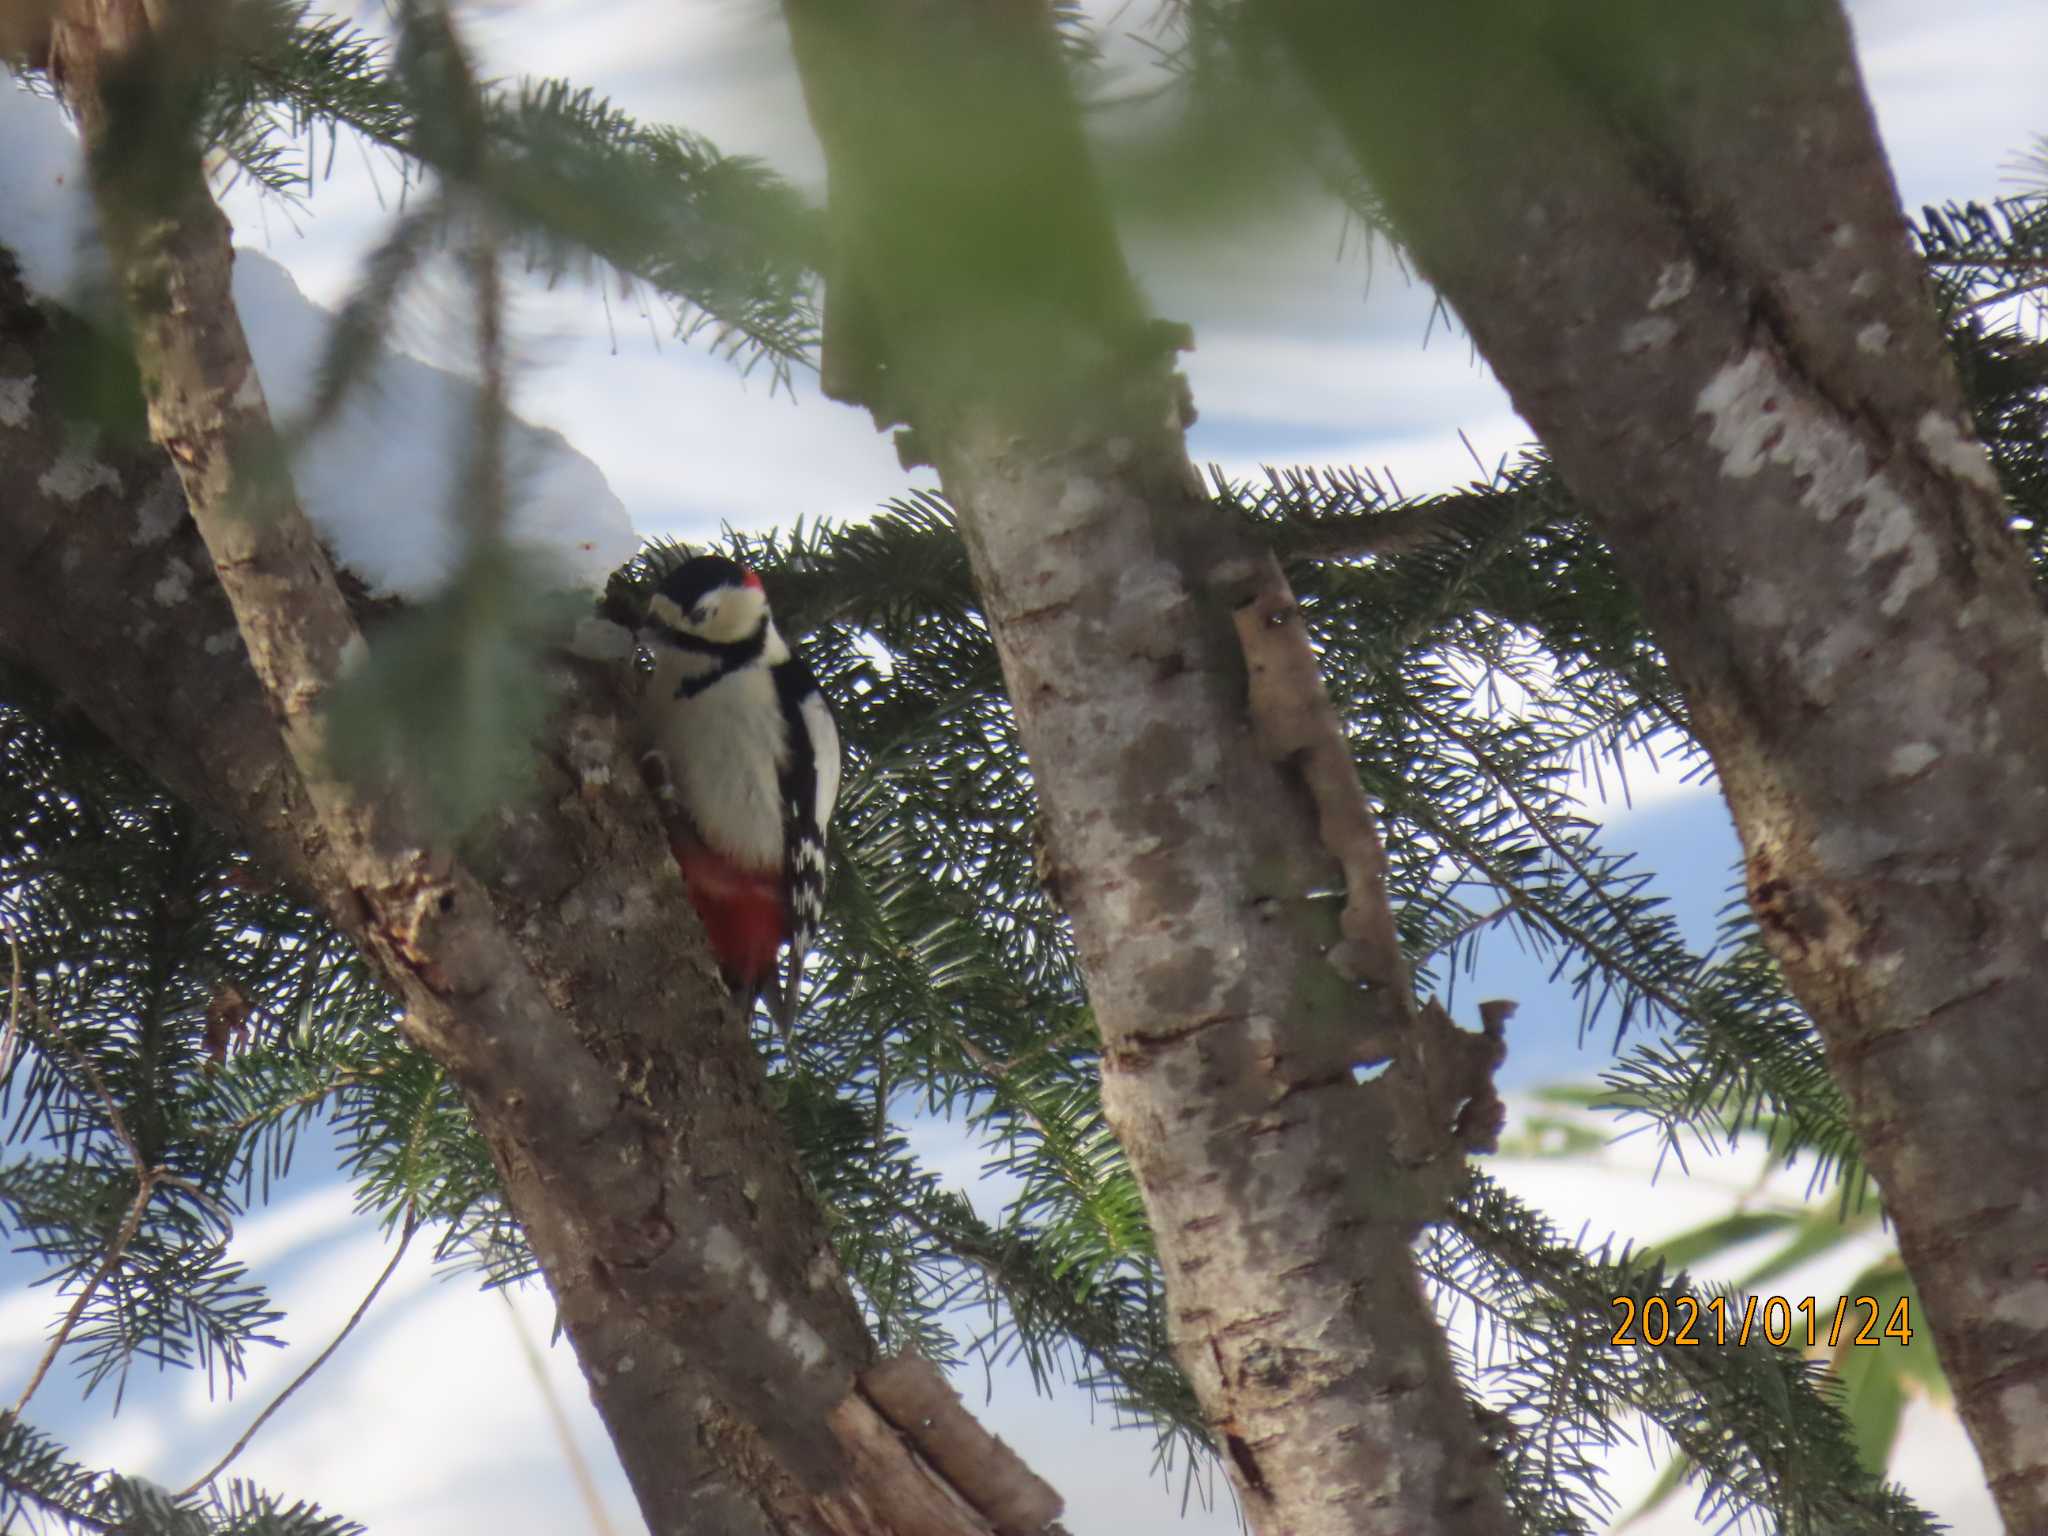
<point x="571" y="176"/>
<point x="147" y="1178"/>
<point x="11" y="1037"/>
<point x="117" y="1249"/>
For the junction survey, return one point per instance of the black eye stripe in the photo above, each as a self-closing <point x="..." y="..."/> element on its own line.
<point x="731" y="655"/>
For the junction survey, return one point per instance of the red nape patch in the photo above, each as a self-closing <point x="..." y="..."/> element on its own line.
<point x="751" y="580"/>
<point x="741" y="910"/>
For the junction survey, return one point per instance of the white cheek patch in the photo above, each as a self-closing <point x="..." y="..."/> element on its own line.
<point x="664" y="609"/>
<point x="732" y="615"/>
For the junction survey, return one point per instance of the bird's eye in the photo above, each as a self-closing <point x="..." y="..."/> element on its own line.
<point x="700" y="613"/>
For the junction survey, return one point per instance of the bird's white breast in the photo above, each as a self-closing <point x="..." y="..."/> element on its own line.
<point x="725" y="748"/>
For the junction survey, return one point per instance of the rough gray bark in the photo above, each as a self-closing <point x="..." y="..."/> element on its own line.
<point x="560" y="978"/>
<point x="980" y="297"/>
<point x="1678" y="243"/>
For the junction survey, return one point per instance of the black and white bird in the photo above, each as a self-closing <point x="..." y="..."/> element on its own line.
<point x="742" y="746"/>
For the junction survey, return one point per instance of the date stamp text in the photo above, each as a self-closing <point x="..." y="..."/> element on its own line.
<point x="1657" y="1323"/>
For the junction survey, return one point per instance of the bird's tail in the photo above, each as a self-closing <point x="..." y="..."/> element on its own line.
<point x="784" y="1002"/>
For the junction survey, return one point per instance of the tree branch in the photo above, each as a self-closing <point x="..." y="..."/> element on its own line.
<point x="145" y="1190"/>
<point x="1677" y="241"/>
<point x="622" y="1101"/>
<point x="362" y="1310"/>
<point x="982" y="298"/>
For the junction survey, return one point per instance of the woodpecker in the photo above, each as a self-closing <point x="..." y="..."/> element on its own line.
<point x="743" y="750"/>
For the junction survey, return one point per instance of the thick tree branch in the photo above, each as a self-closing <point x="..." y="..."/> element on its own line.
<point x="562" y="981"/>
<point x="981" y="297"/>
<point x="1676" y="239"/>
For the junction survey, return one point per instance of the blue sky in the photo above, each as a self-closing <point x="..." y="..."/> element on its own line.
<point x="430" y="1420"/>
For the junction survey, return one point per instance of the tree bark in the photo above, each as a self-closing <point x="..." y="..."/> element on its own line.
<point x="560" y="976"/>
<point x="1677" y="241"/>
<point x="1184" y="772"/>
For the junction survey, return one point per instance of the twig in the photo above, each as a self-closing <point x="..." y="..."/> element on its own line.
<point x="130" y="1224"/>
<point x="1649" y="987"/>
<point x="1965" y="262"/>
<point x="114" y="1116"/>
<point x="1468" y="927"/>
<point x="558" y="1421"/>
<point x="12" y="1035"/>
<point x="486" y="499"/>
<point x="1395" y="531"/>
<point x="354" y="1078"/>
<point x="199" y="1197"/>
<point x="404" y="1242"/>
<point x="26" y="1493"/>
<point x="2012" y="291"/>
<point x="146" y="1181"/>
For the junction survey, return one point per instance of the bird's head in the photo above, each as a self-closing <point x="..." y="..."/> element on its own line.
<point x="709" y="597"/>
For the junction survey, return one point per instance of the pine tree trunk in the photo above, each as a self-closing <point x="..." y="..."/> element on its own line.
<point x="981" y="298"/>
<point x="559" y="976"/>
<point x="1675" y="236"/>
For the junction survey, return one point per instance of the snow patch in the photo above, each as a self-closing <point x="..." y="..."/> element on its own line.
<point x="15" y="395"/>
<point x="1956" y="451"/>
<point x="381" y="483"/>
<point x="222" y="643"/>
<point x="1758" y="417"/>
<point x="1673" y="284"/>
<point x="1817" y="664"/>
<point x="77" y="475"/>
<point x="2025" y="1407"/>
<point x="1910" y="759"/>
<point x="722" y="1252"/>
<point x="796" y="1336"/>
<point x="174" y="586"/>
<point x="2024" y="1306"/>
<point x="1874" y="338"/>
<point x="1650" y="335"/>
<point x="1759" y="604"/>
<point x="162" y="509"/>
<point x="1150" y="586"/>
<point x="46" y="216"/>
<point x="596" y="639"/>
<point x="1888" y="527"/>
<point x="1742" y="405"/>
<point x="1081" y="498"/>
<point x="1864" y="285"/>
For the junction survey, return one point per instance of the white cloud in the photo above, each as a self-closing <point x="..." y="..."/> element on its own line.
<point x="1957" y="89"/>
